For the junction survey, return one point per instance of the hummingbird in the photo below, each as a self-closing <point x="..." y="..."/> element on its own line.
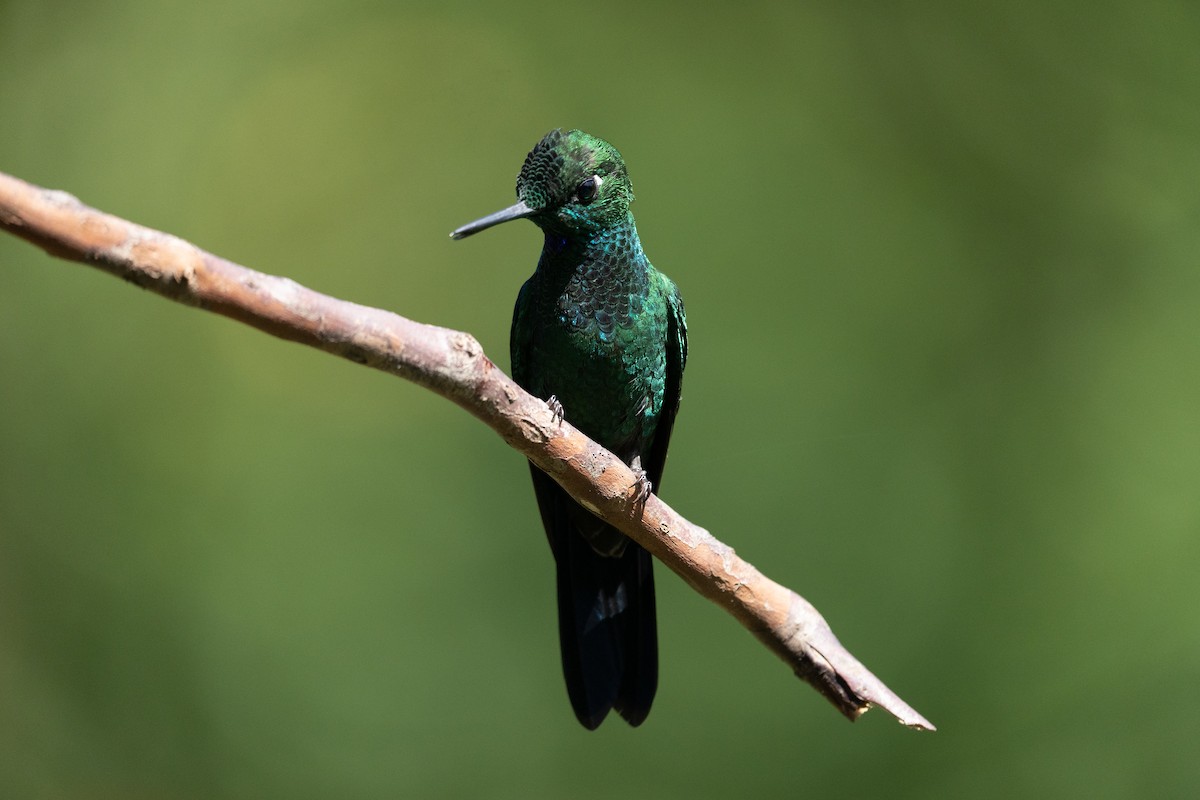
<point x="601" y="336"/>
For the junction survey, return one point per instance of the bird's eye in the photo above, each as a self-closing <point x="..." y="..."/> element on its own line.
<point x="588" y="188"/>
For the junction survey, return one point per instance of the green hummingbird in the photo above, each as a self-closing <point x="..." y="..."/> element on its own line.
<point x="599" y="334"/>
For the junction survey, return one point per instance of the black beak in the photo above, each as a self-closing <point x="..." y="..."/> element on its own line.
<point x="519" y="211"/>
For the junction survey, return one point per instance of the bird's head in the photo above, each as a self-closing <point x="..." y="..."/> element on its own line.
<point x="572" y="183"/>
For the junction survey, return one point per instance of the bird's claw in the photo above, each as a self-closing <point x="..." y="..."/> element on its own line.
<point x="556" y="410"/>
<point x="641" y="486"/>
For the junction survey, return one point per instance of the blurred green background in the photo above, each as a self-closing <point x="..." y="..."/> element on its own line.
<point x="941" y="269"/>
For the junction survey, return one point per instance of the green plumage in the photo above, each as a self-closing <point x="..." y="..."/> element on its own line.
<point x="600" y="330"/>
<point x="590" y="327"/>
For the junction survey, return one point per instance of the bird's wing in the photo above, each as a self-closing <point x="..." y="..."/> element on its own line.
<point x="518" y="344"/>
<point x="676" y="344"/>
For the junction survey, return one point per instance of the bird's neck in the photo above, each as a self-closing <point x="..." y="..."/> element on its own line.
<point x="615" y="248"/>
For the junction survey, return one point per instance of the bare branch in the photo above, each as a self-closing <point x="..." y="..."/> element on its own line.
<point x="453" y="364"/>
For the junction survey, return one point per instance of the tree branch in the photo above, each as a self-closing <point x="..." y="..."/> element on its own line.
<point x="453" y="365"/>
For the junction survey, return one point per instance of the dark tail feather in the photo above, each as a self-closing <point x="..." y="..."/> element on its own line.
<point x="606" y="617"/>
<point x="641" y="643"/>
<point x="606" y="628"/>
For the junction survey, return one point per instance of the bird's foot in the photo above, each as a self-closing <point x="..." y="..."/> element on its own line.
<point x="641" y="485"/>
<point x="556" y="410"/>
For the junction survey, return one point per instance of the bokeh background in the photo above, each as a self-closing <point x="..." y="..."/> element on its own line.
<point x="941" y="269"/>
